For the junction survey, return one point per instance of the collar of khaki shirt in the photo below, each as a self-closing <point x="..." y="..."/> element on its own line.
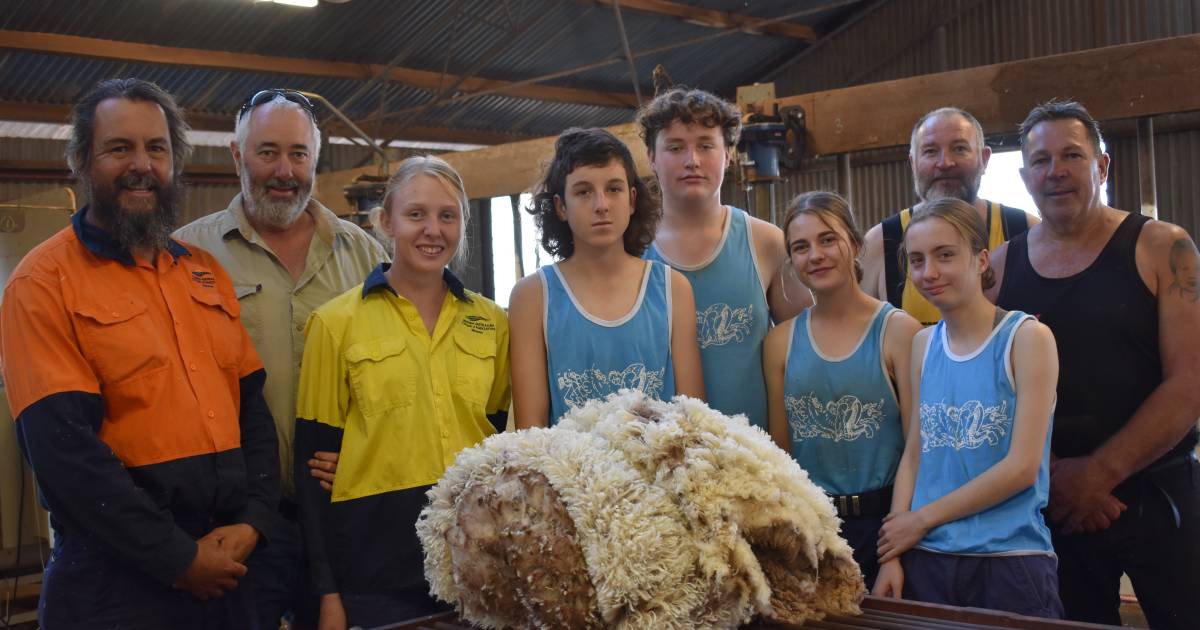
<point x="234" y="219"/>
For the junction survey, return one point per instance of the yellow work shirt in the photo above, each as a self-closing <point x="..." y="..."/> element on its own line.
<point x="406" y="402"/>
<point x="274" y="306"/>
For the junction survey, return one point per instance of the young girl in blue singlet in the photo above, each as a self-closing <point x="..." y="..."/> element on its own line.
<point x="837" y="374"/>
<point x="601" y="319"/>
<point x="966" y="527"/>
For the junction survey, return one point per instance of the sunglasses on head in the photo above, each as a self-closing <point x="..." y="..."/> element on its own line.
<point x="267" y="96"/>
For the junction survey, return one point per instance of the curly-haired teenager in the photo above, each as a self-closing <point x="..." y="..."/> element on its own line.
<point x="600" y="319"/>
<point x="734" y="261"/>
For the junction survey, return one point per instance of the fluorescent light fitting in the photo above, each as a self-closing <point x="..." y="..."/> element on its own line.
<point x="295" y="3"/>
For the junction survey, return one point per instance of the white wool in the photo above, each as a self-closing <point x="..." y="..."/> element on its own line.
<point x="683" y="518"/>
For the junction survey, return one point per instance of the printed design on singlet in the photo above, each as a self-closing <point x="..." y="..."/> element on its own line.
<point x="969" y="425"/>
<point x="580" y="387"/>
<point x="843" y="420"/>
<point x="720" y="324"/>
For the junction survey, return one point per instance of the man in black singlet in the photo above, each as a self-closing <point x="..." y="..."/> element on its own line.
<point x="1119" y="292"/>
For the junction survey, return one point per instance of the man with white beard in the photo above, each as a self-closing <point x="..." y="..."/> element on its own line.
<point x="287" y="255"/>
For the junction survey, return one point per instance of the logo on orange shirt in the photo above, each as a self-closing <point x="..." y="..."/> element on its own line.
<point x="204" y="278"/>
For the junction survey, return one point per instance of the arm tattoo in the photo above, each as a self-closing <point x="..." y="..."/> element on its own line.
<point x="1185" y="270"/>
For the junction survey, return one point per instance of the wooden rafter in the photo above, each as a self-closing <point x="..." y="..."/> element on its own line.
<point x="133" y="52"/>
<point x="1126" y="81"/>
<point x="1116" y="82"/>
<point x="56" y="113"/>
<point x="716" y="19"/>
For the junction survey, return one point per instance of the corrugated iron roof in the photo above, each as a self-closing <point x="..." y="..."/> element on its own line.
<point x="510" y="40"/>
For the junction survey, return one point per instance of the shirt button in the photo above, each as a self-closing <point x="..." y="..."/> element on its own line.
<point x="116" y="314"/>
<point x="192" y="367"/>
<point x="299" y="327"/>
<point x="212" y="414"/>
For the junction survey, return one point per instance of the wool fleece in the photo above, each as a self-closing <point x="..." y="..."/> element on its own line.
<point x="635" y="513"/>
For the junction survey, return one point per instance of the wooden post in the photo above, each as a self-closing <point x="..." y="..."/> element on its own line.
<point x="514" y="202"/>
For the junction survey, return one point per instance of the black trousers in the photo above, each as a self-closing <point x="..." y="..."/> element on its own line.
<point x="85" y="588"/>
<point x="862" y="532"/>
<point x="1156" y="542"/>
<point x="373" y="610"/>
<point x="277" y="575"/>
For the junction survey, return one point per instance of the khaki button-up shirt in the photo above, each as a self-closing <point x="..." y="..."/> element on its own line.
<point x="275" y="308"/>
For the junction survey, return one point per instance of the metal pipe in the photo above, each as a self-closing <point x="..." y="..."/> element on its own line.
<point x="637" y="90"/>
<point x="844" y="183"/>
<point x="1146" y="179"/>
<point x="772" y="212"/>
<point x="312" y="96"/>
<point x="484" y="59"/>
<point x="508" y="87"/>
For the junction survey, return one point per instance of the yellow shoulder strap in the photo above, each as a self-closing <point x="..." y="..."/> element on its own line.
<point x="995" y="226"/>
<point x="911" y="300"/>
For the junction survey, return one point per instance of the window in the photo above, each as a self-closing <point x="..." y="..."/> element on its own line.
<point x="504" y="246"/>
<point x="1002" y="182"/>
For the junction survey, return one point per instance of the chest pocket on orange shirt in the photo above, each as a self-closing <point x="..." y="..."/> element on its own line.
<point x="118" y="339"/>
<point x="382" y="375"/>
<point x="475" y="365"/>
<point x="220" y="317"/>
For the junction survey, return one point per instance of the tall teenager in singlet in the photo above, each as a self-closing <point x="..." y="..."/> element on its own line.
<point x="1122" y="294"/>
<point x="837" y="374"/>
<point x="732" y="260"/>
<point x="966" y="527"/>
<point x="601" y="319"/>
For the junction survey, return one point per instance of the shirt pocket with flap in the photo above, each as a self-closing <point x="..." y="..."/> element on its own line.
<point x="119" y="339"/>
<point x="475" y="365"/>
<point x="250" y="303"/>
<point x="221" y="318"/>
<point x="382" y="375"/>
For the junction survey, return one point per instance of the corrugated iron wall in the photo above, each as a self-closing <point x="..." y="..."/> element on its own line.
<point x="900" y="38"/>
<point x="1177" y="161"/>
<point x="904" y="38"/>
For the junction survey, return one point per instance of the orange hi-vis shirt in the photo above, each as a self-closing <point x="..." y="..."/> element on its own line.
<point x="161" y="342"/>
<point x="151" y="358"/>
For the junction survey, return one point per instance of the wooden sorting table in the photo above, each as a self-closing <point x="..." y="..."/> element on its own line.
<point x="878" y="614"/>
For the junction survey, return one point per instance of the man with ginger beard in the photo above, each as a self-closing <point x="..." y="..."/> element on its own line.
<point x="136" y="390"/>
<point x="287" y="254"/>
<point x="948" y="158"/>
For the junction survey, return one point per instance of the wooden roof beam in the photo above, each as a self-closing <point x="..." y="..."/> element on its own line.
<point x="1130" y="80"/>
<point x="1116" y="82"/>
<point x="717" y="19"/>
<point x="134" y="52"/>
<point x="59" y="114"/>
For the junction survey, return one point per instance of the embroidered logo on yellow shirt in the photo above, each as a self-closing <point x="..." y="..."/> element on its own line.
<point x="478" y="323"/>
